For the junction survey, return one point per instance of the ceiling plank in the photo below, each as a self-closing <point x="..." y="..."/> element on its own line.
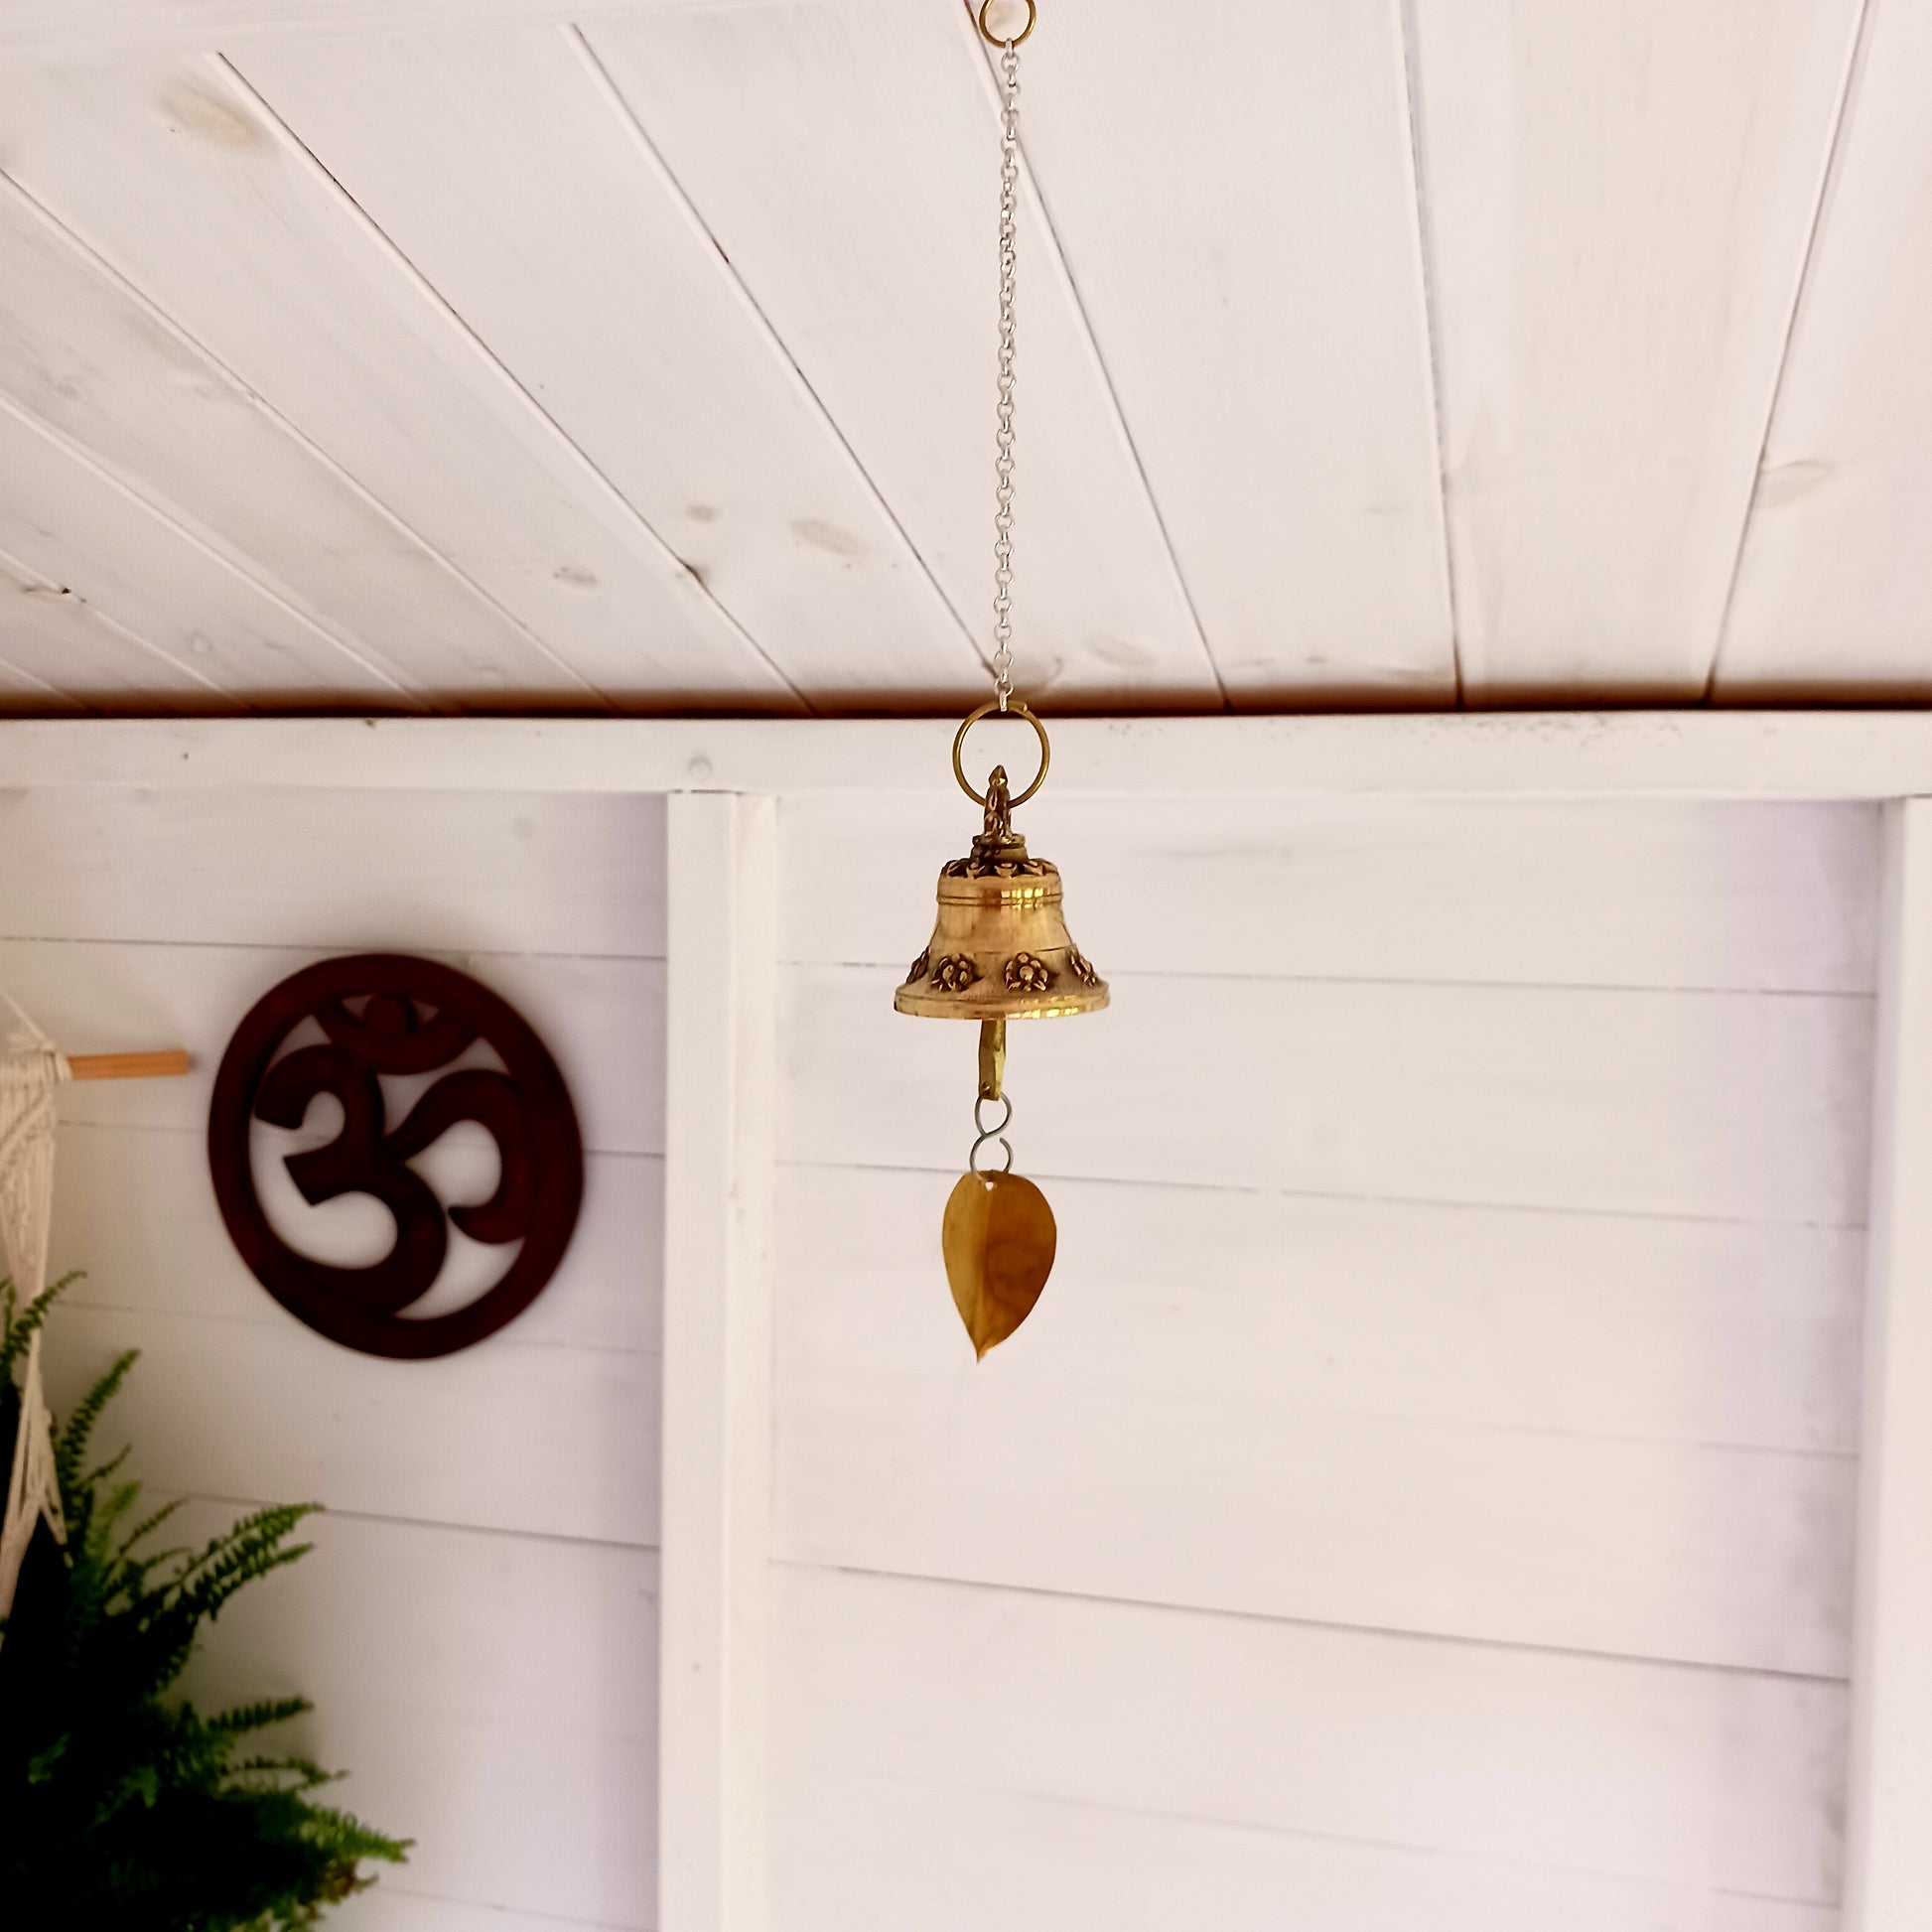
<point x="845" y="157"/>
<point x="197" y="196"/>
<point x="501" y="166"/>
<point x="1835" y="586"/>
<point x="1233" y="193"/>
<point x="50" y="634"/>
<point x="76" y="525"/>
<point x="1619" y="196"/>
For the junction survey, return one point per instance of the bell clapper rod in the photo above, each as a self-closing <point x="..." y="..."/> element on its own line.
<point x="167" y="1064"/>
<point x="993" y="1058"/>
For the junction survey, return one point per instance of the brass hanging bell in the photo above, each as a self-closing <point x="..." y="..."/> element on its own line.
<point x="1000" y="950"/>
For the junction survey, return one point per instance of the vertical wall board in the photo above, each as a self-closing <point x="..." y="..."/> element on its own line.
<point x="720" y="1112"/>
<point x="1890" y="1849"/>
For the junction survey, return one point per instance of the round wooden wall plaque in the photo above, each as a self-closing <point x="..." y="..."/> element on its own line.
<point x="384" y="1013"/>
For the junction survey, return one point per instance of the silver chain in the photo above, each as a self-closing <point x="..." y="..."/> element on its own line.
<point x="1003" y="463"/>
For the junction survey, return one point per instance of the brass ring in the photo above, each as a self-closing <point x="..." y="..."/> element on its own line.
<point x="986" y="33"/>
<point x="1012" y="709"/>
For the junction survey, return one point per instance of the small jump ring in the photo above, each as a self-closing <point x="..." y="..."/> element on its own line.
<point x="1005" y="1121"/>
<point x="986" y="7"/>
<point x="973" y="1158"/>
<point x="1013" y="709"/>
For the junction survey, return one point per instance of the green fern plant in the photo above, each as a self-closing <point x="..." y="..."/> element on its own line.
<point x="120" y="1804"/>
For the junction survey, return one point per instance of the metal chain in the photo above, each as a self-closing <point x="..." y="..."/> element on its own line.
<point x="1003" y="463"/>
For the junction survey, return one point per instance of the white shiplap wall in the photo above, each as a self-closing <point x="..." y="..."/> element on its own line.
<point x="478" y="1623"/>
<point x="1423" y="1498"/>
<point x="1422" y="1502"/>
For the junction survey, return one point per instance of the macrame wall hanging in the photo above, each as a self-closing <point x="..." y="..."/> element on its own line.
<point x="1000" y="949"/>
<point x="31" y="1072"/>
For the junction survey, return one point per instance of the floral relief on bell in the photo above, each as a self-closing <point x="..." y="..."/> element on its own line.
<point x="1000" y="947"/>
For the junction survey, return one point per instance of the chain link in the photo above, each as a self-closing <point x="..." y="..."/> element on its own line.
<point x="1003" y="462"/>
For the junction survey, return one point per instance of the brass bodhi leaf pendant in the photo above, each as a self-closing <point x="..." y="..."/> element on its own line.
<point x="998" y="1236"/>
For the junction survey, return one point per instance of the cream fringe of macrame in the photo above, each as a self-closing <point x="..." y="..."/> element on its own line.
<point x="30" y="1071"/>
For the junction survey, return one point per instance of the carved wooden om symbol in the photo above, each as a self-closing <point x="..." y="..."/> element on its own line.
<point x="384" y="1013"/>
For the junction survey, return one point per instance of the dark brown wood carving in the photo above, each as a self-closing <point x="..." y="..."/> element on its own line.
<point x="384" y="1014"/>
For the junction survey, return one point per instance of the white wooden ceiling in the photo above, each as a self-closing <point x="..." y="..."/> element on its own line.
<point x="1374" y="352"/>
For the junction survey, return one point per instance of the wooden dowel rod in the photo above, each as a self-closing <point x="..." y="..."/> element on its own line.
<point x="129" y="1067"/>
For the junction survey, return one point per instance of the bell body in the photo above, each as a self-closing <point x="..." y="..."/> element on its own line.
<point x="1000" y="948"/>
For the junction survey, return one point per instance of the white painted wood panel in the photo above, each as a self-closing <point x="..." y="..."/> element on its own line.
<point x="1236" y="203"/>
<point x="163" y="1251"/>
<point x="53" y="635"/>
<point x="390" y="1909"/>
<point x="1720" y="1780"/>
<point x="1619" y="1329"/>
<point x="1624" y="894"/>
<point x="1733" y="1106"/>
<point x="89" y="357"/>
<point x="719" y="1102"/>
<point x="845" y="157"/>
<point x="1889" y="1868"/>
<point x="1707" y="755"/>
<point x="882" y="1854"/>
<point x="493" y="1697"/>
<point x="474" y="871"/>
<point x="501" y="167"/>
<point x="187" y="187"/>
<point x="552" y="1440"/>
<point x="160" y="582"/>
<point x="593" y="1014"/>
<point x="1618" y="202"/>
<point x="1835" y="576"/>
<point x="1703" y="1555"/>
<point x="478" y="1627"/>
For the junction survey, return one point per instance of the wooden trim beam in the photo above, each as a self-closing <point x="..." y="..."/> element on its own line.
<point x="719" y="1165"/>
<point x="1888" y="1851"/>
<point x="1733" y="755"/>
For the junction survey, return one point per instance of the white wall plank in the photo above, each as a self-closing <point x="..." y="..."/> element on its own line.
<point x="1715" y="1779"/>
<point x="1738" y="1106"/>
<point x="1890" y="1877"/>
<point x="163" y="1251"/>
<point x="1611" y="1327"/>
<point x="554" y="1440"/>
<point x="1755" y="757"/>
<point x="479" y="871"/>
<point x="1620" y="198"/>
<point x="778" y="121"/>
<point x="49" y="632"/>
<point x="1836" y="574"/>
<point x="591" y="1014"/>
<point x="1598" y="893"/>
<point x="507" y="175"/>
<point x="184" y="600"/>
<point x="1261" y="324"/>
<point x="1703" y="1555"/>
<point x="871" y="1852"/>
<point x="87" y="356"/>
<point x="171" y="173"/>
<point x="390" y="1909"/>
<point x="720" y="1104"/>
<point x="493" y="1697"/>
